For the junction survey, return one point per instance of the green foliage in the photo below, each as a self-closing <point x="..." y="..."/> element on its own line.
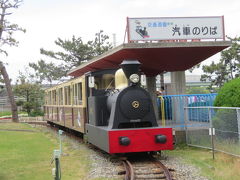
<point x="227" y="68"/>
<point x="33" y="97"/>
<point x="36" y="112"/>
<point x="6" y="28"/>
<point x="229" y="94"/>
<point x="47" y="71"/>
<point x="197" y="90"/>
<point x="73" y="53"/>
<point x="100" y="44"/>
<point x="20" y="103"/>
<point x="194" y="67"/>
<point x="226" y="120"/>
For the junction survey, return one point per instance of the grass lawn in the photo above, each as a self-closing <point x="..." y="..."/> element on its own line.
<point x="224" y="167"/>
<point x="27" y="155"/>
<point x="9" y="113"/>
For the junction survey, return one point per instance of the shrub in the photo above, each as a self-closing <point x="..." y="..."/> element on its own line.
<point x="36" y="112"/>
<point x="225" y="123"/>
<point x="225" y="120"/>
<point x="20" y="103"/>
<point x="229" y="94"/>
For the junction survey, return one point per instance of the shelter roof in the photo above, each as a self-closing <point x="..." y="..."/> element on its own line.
<point x="155" y="57"/>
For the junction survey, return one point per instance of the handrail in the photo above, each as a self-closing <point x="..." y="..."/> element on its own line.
<point x="162" y="111"/>
<point x="186" y="95"/>
<point x="212" y="107"/>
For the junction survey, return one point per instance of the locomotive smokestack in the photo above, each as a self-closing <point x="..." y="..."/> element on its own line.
<point x="130" y="67"/>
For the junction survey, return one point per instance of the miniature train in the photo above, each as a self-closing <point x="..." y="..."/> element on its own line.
<point x="111" y="109"/>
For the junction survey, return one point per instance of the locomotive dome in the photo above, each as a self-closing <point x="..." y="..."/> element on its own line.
<point x="120" y="79"/>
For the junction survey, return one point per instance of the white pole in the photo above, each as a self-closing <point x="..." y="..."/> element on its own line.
<point x="114" y="40"/>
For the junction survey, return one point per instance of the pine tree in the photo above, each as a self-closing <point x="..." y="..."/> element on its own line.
<point x="6" y="31"/>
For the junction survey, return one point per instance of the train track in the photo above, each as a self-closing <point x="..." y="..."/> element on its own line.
<point x="145" y="168"/>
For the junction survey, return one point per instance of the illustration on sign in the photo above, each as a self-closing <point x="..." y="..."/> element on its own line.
<point x="142" y="31"/>
<point x="175" y="28"/>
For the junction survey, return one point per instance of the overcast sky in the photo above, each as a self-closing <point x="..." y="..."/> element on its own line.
<point x="46" y="20"/>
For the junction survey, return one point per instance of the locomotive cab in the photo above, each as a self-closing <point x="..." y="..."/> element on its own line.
<point x="103" y="82"/>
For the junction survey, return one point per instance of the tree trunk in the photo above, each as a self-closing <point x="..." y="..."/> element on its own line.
<point x="10" y="92"/>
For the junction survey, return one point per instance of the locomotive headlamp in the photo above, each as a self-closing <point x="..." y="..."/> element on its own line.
<point x="134" y="78"/>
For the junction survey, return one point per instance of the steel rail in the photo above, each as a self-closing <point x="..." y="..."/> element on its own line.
<point x="129" y="170"/>
<point x="164" y="168"/>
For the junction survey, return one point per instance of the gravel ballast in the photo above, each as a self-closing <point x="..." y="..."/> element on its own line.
<point x="103" y="165"/>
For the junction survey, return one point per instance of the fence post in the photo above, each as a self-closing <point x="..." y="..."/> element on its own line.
<point x="185" y="123"/>
<point x="57" y="170"/>
<point x="238" y="122"/>
<point x="212" y="133"/>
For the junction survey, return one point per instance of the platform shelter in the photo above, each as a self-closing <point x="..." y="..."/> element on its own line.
<point x="164" y="45"/>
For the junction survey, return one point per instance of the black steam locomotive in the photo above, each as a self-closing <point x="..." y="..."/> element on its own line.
<point x="121" y="118"/>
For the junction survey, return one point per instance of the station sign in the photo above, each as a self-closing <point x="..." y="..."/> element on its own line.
<point x="175" y="28"/>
